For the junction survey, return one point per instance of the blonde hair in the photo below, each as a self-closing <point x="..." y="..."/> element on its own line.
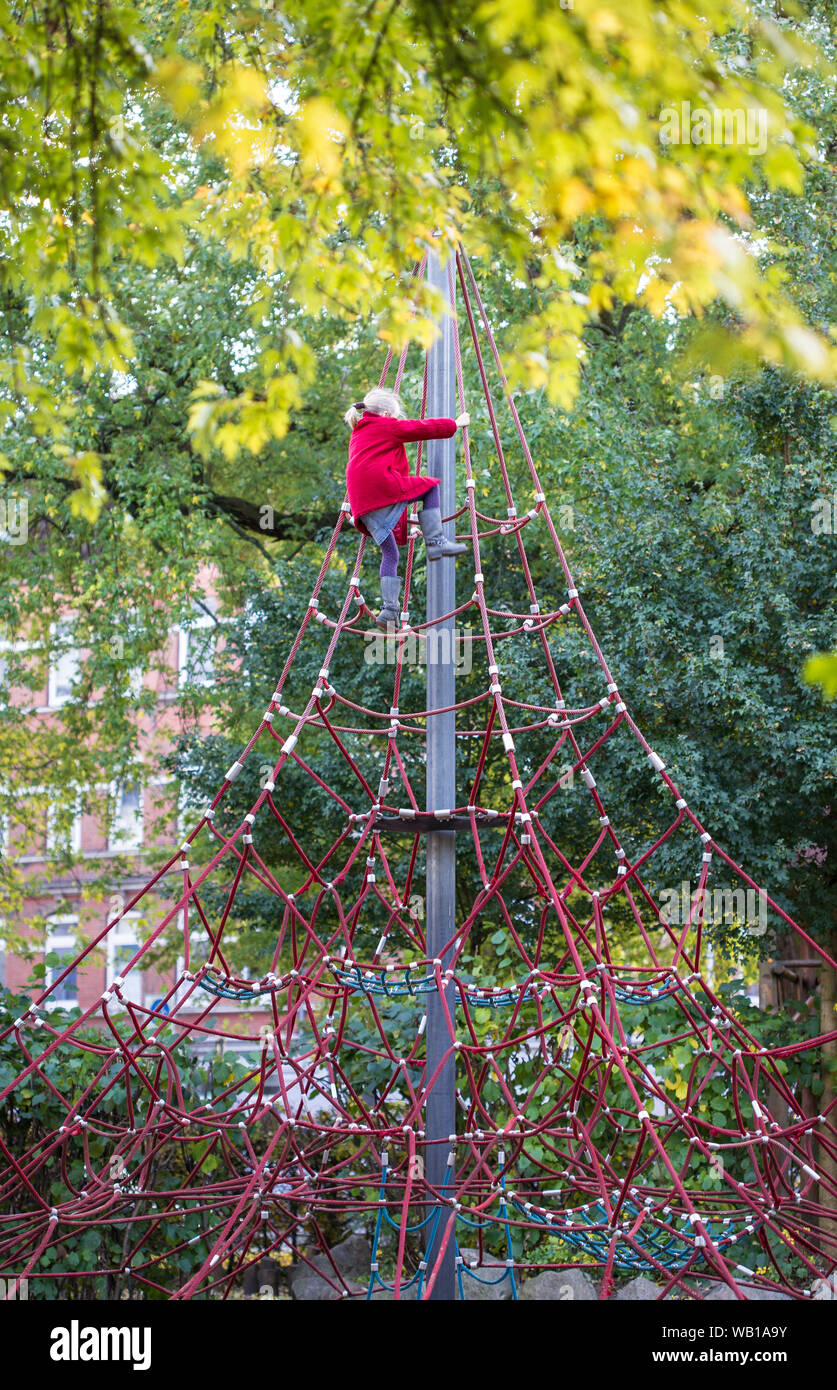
<point x="378" y="401"/>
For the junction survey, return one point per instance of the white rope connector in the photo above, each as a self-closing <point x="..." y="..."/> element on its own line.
<point x="233" y="772"/>
<point x="572" y="593"/>
<point x="479" y="579"/>
<point x="290" y="743"/>
<point x="656" y="762"/>
<point x="508" y="743"/>
<point x="269" y="787"/>
<point x="588" y="777"/>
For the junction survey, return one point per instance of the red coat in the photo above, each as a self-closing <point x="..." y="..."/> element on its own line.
<point x="378" y="474"/>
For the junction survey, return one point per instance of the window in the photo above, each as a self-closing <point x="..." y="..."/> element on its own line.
<point x="11" y="667"/>
<point x="122" y="943"/>
<point x="135" y="683"/>
<point x="64" y="827"/>
<point x="196" y="648"/>
<point x="64" y="665"/>
<point x="126" y="826"/>
<point x="61" y="948"/>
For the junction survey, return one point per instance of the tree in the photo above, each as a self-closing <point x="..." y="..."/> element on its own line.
<point x="326" y="143"/>
<point x="157" y="249"/>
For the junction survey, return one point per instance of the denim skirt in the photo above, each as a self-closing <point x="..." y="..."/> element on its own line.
<point x="381" y="522"/>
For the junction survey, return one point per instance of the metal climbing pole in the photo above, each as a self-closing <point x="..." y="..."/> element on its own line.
<point x="440" y="1114"/>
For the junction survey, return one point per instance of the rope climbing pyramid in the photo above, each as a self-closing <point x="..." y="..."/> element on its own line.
<point x="609" y="1106"/>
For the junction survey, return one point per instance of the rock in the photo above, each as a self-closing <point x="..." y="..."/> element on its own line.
<point x="559" y="1284"/>
<point x="823" y="1288"/>
<point x="387" y="1296"/>
<point x="316" y="1290"/>
<point x="639" y="1290"/>
<point x="492" y="1270"/>
<point x="475" y="1290"/>
<point x="352" y="1257"/>
<point x="722" y="1293"/>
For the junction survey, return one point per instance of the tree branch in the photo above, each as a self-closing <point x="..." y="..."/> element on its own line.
<point x="283" y="525"/>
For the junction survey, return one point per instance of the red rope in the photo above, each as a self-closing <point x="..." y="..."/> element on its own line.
<point x="598" y="1148"/>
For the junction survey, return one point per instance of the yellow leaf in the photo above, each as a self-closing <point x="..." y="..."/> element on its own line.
<point x="321" y="131"/>
<point x="822" y="670"/>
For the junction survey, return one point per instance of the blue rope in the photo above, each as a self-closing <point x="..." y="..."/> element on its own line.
<point x="433" y="1218"/>
<point x="379" y="984"/>
<point x="670" y="1249"/>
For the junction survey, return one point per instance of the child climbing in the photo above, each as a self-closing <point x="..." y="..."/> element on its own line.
<point x="381" y="485"/>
